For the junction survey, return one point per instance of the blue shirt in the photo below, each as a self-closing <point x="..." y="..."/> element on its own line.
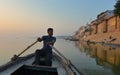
<point x="47" y="39"/>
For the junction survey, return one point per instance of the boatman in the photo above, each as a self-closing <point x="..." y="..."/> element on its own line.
<point x="46" y="50"/>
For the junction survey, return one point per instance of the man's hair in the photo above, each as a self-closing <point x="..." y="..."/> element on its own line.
<point x="49" y="29"/>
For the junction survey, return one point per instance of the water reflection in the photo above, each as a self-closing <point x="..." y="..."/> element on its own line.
<point x="104" y="55"/>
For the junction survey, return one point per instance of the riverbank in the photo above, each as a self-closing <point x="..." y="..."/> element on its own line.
<point x="105" y="29"/>
<point x="104" y="37"/>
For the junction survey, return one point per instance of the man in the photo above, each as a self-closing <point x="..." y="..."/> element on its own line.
<point x="46" y="50"/>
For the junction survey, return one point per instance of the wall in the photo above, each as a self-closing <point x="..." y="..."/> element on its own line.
<point x="111" y="24"/>
<point x="105" y="29"/>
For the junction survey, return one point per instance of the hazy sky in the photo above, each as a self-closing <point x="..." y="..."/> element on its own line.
<point x="33" y="17"/>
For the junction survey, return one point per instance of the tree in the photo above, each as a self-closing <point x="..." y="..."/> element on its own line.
<point x="117" y="8"/>
<point x="117" y="12"/>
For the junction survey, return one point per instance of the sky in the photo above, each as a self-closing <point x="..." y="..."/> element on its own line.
<point x="33" y="17"/>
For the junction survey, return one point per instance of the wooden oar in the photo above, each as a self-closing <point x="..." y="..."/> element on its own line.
<point x="66" y="59"/>
<point x="58" y="52"/>
<point x="27" y="48"/>
<point x="16" y="56"/>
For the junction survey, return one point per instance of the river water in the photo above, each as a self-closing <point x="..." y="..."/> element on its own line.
<point x="92" y="59"/>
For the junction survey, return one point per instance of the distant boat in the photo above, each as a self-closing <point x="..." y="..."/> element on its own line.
<point x="71" y="39"/>
<point x="23" y="66"/>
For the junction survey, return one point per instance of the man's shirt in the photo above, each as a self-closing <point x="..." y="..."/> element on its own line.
<point x="47" y="39"/>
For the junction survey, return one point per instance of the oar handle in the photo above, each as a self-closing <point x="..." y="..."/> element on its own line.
<point x="27" y="48"/>
<point x="16" y="56"/>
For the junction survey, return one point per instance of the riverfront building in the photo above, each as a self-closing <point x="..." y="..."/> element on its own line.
<point x="105" y="27"/>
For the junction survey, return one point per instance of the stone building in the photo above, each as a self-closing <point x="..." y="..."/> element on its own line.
<point x="103" y="21"/>
<point x="106" y="25"/>
<point x="94" y="25"/>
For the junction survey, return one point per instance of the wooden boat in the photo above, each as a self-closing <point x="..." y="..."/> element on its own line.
<point x="23" y="66"/>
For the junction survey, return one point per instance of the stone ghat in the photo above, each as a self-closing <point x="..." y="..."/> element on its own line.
<point x="104" y="37"/>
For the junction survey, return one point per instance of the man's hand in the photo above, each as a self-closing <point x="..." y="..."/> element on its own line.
<point x="50" y="43"/>
<point x="39" y="39"/>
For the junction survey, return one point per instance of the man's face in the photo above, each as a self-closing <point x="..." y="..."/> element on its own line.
<point x="50" y="32"/>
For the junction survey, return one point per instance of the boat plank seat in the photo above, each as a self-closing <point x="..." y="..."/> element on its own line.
<point x="35" y="70"/>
